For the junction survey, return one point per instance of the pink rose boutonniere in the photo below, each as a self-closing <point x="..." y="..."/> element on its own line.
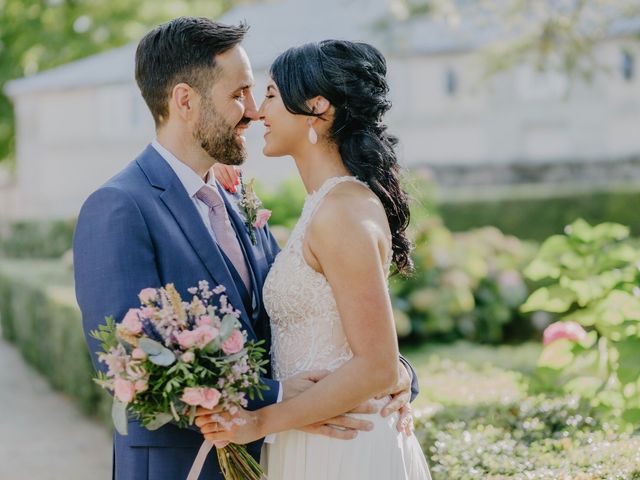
<point x="255" y="217"/>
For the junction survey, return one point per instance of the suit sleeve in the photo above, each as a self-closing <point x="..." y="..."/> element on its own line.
<point x="113" y="260"/>
<point x="415" y="387"/>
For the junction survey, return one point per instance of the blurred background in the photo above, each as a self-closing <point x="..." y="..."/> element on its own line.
<point x="519" y="124"/>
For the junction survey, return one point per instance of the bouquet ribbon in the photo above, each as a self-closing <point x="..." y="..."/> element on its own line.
<point x="198" y="463"/>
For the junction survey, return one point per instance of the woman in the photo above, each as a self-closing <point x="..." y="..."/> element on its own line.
<point x="327" y="293"/>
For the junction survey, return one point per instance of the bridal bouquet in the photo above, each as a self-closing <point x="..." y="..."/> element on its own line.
<point x="170" y="356"/>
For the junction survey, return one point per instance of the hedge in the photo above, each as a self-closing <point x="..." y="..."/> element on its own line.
<point x="39" y="314"/>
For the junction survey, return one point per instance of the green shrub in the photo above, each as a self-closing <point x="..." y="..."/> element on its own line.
<point x="466" y="285"/>
<point x="36" y="239"/>
<point x="539" y="218"/>
<point x="592" y="276"/>
<point x="40" y="316"/>
<point x="537" y="438"/>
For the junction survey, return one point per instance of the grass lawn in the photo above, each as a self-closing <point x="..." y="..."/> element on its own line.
<point x="476" y="420"/>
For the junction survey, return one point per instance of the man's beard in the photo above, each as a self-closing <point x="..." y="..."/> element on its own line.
<point x="217" y="138"/>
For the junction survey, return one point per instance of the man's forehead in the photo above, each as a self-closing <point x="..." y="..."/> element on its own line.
<point x="235" y="67"/>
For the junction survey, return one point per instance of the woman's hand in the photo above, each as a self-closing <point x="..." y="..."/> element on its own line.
<point x="222" y="428"/>
<point x="227" y="175"/>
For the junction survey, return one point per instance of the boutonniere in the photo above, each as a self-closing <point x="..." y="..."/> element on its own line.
<point x="255" y="217"/>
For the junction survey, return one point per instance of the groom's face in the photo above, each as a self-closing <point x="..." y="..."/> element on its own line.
<point x="226" y="109"/>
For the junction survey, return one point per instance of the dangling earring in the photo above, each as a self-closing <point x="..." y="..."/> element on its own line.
<point x="313" y="136"/>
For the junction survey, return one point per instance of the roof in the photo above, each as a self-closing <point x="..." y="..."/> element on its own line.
<point x="278" y="24"/>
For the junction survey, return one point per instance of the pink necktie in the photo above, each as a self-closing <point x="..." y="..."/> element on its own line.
<point x="223" y="231"/>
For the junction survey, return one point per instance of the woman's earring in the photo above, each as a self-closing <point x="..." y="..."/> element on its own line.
<point x="313" y="136"/>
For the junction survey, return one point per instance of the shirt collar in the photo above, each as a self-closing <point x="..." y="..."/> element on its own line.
<point x="189" y="179"/>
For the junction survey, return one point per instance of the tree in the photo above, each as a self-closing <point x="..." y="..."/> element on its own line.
<point x="36" y="35"/>
<point x="551" y="35"/>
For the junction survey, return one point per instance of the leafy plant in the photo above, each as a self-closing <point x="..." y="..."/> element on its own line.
<point x="591" y="278"/>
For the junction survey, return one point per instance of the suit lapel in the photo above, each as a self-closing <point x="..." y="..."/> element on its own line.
<point x="175" y="198"/>
<point x="240" y="227"/>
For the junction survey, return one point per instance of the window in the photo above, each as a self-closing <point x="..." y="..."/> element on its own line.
<point x="628" y="66"/>
<point x="451" y="82"/>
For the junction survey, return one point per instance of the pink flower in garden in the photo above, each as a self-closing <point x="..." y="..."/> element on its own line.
<point x="211" y="397"/>
<point x="188" y="357"/>
<point x="262" y="217"/>
<point x="138" y="354"/>
<point x="147" y="294"/>
<point x="131" y="322"/>
<point x="192" y="396"/>
<point x="234" y="343"/>
<point x="124" y="390"/>
<point x="572" y="331"/>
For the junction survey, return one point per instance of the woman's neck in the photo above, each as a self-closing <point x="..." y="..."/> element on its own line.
<point x="317" y="164"/>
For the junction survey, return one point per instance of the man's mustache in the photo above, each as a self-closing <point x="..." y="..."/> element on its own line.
<point x="243" y="122"/>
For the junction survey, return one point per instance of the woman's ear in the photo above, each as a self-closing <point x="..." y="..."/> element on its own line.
<point x="319" y="105"/>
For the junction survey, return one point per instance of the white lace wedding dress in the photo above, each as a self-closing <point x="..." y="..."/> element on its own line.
<point x="307" y="334"/>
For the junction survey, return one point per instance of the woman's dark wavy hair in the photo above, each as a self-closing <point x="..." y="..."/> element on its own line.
<point x="352" y="77"/>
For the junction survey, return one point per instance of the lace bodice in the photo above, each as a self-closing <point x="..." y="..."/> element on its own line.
<point x="306" y="330"/>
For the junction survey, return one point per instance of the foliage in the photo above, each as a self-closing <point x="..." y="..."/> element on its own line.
<point x="36" y="238"/>
<point x="38" y="313"/>
<point x="591" y="276"/>
<point x="36" y="35"/>
<point x="558" y="36"/>
<point x="465" y="285"/>
<point x="476" y="419"/>
<point x="537" y="218"/>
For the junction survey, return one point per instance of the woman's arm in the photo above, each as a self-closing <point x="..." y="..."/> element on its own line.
<point x="349" y="244"/>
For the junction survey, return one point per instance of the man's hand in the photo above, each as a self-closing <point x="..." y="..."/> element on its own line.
<point x="400" y="401"/>
<point x="342" y="427"/>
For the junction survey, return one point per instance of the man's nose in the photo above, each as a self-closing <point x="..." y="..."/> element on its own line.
<point x="250" y="107"/>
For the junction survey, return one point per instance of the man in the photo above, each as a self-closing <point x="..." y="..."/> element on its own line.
<point x="164" y="219"/>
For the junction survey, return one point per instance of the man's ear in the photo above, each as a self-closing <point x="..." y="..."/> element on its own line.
<point x="183" y="100"/>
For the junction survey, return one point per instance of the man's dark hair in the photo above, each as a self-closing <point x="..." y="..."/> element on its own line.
<point x="181" y="50"/>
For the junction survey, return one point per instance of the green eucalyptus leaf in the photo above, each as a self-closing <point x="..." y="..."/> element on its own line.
<point x="119" y="416"/>
<point x="160" y="420"/>
<point x="165" y="358"/>
<point x="150" y="347"/>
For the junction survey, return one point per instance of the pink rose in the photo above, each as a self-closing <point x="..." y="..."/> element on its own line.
<point x="138" y="354"/>
<point x="570" y="330"/>
<point x="192" y="396"/>
<point x="204" y="320"/>
<point x="131" y="322"/>
<point x="187" y="338"/>
<point x="205" y="335"/>
<point x="188" y="357"/>
<point x="234" y="343"/>
<point x="124" y="390"/>
<point x="262" y="216"/>
<point x="211" y="397"/>
<point x="147" y="294"/>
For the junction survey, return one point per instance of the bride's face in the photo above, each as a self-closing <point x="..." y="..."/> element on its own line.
<point x="285" y="132"/>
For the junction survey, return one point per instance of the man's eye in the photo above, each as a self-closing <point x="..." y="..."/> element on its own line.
<point x="240" y="96"/>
